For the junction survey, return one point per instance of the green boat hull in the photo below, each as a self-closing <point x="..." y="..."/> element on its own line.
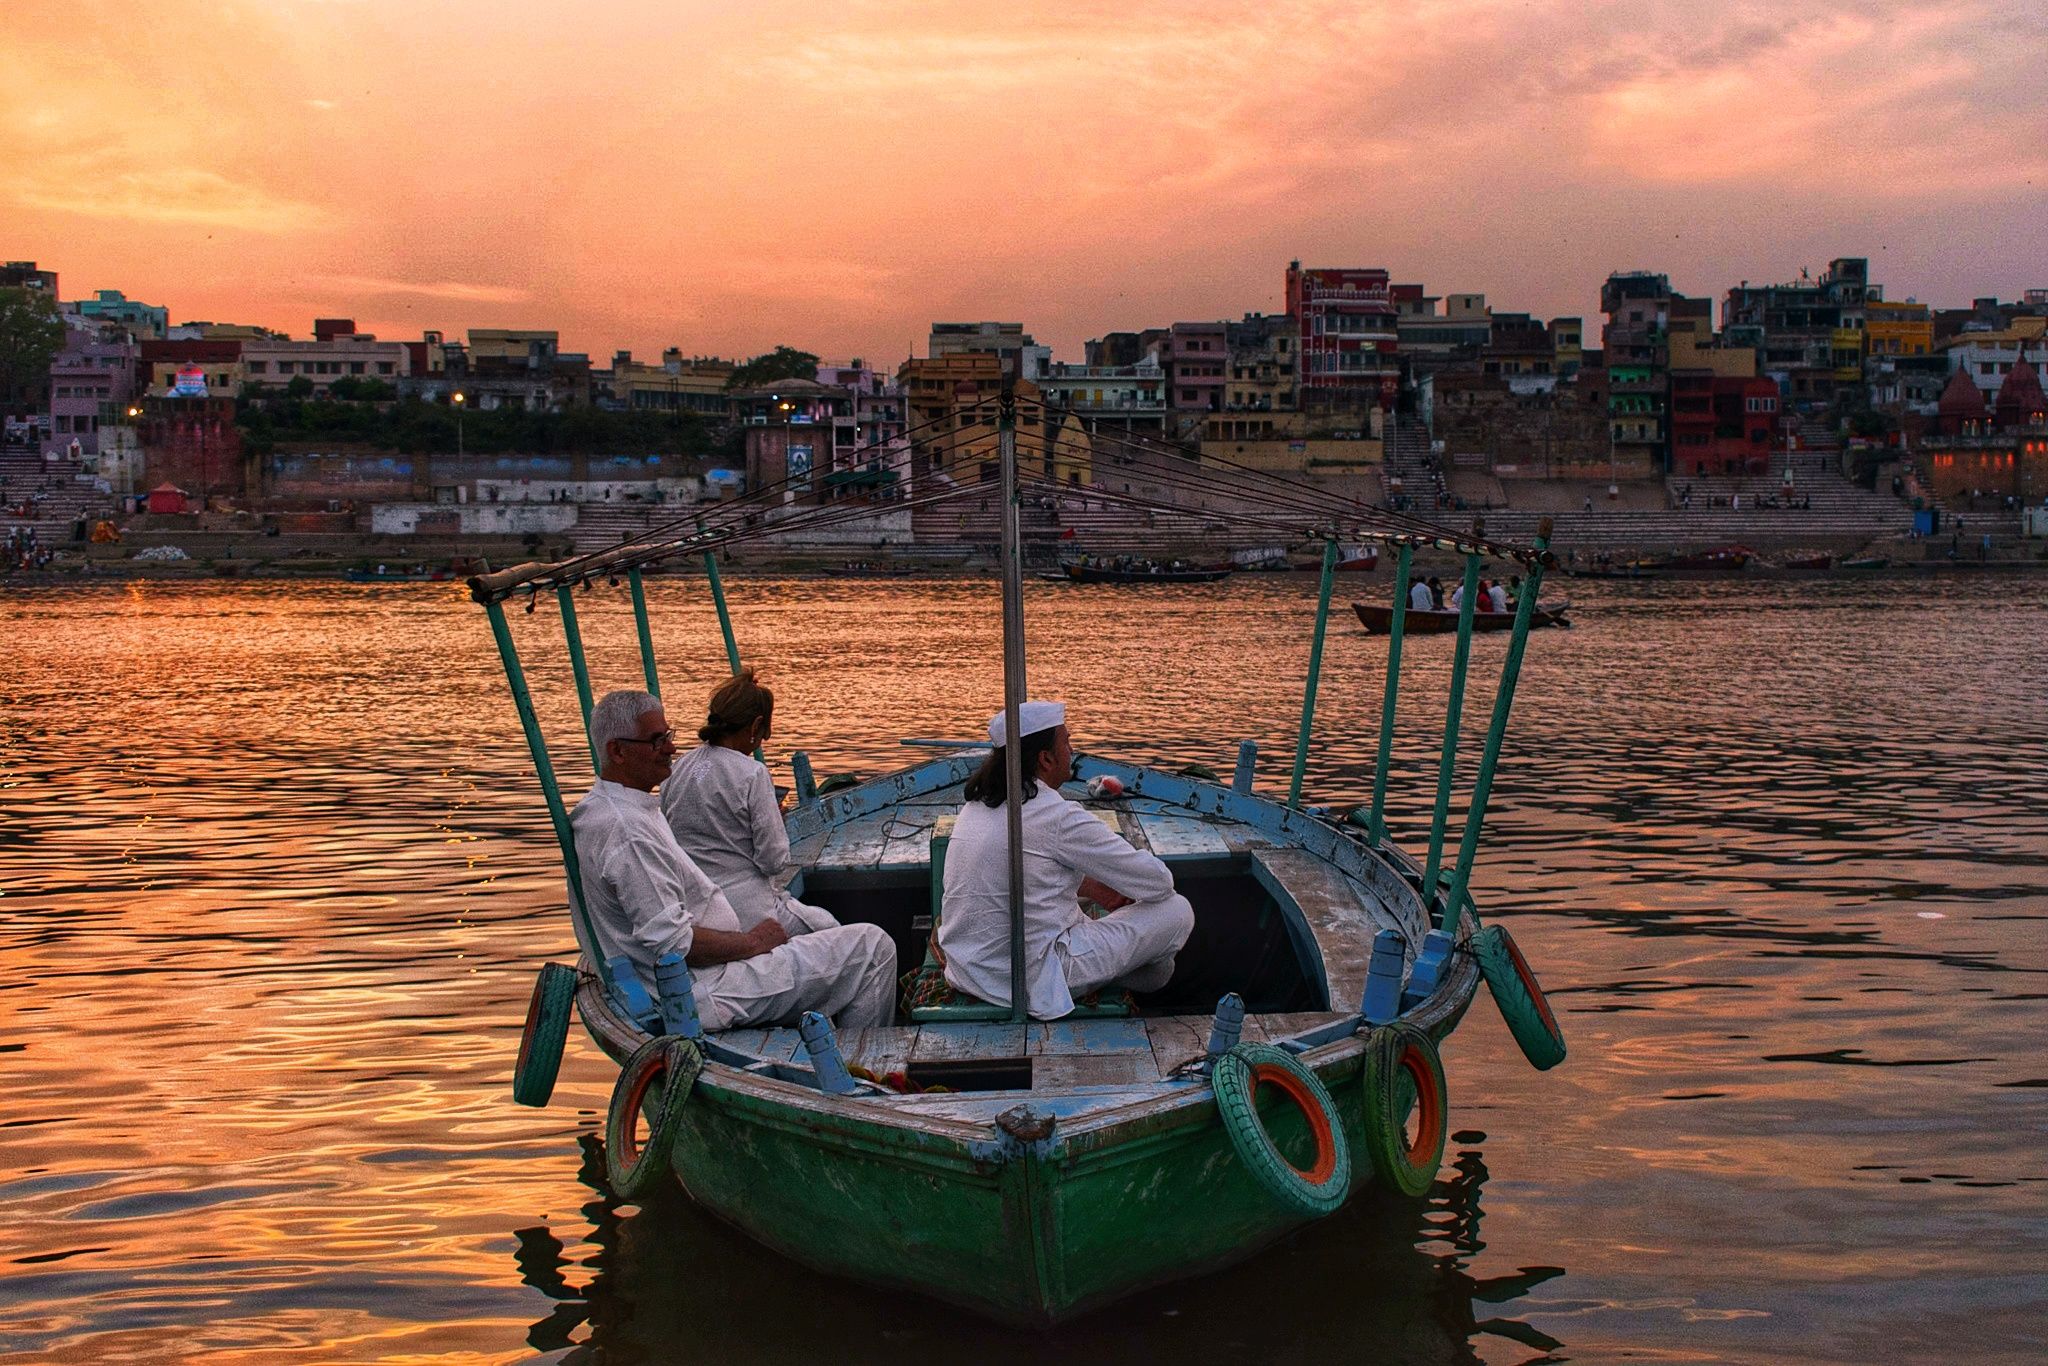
<point x="1030" y="1231"/>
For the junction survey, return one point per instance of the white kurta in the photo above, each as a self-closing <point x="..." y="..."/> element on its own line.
<point x="1063" y="843"/>
<point x="644" y="896"/>
<point x="722" y="808"/>
<point x="1420" y="598"/>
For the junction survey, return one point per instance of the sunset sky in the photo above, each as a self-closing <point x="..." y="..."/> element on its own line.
<point x="724" y="177"/>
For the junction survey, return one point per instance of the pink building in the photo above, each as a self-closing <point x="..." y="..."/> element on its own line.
<point x="92" y="380"/>
<point x="1197" y="355"/>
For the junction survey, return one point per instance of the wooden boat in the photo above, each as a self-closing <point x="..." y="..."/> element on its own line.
<point x="1070" y="1162"/>
<point x="1806" y="562"/>
<point x="1721" y="560"/>
<point x="1378" y="618"/>
<point x="397" y="575"/>
<point x="1866" y="562"/>
<point x="1146" y="571"/>
<point x="1073" y="1162"/>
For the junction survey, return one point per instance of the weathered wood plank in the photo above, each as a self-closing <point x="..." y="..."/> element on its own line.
<point x="857" y="844"/>
<point x="744" y="1040"/>
<point x="1100" y="1037"/>
<point x="1342" y="915"/>
<point x="784" y="1045"/>
<point x="1169" y="835"/>
<point x="961" y="1042"/>
<point x="1175" y="1039"/>
<point x="1060" y="1071"/>
<point x="1267" y="1028"/>
<point x="882" y="1050"/>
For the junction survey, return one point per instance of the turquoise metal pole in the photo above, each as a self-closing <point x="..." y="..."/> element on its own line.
<point x="544" y="769"/>
<point x="732" y="645"/>
<point x="1315" y="669"/>
<point x="646" y="636"/>
<point x="1467" y="601"/>
<point x="1377" y="825"/>
<point x="570" y="632"/>
<point x="1503" y="704"/>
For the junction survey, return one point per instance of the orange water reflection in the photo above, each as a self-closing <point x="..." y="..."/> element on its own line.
<point x="275" y="877"/>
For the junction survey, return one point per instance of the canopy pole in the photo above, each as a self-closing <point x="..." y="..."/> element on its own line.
<point x="646" y="636"/>
<point x="544" y="769"/>
<point x="574" y="635"/>
<point x="1454" y="708"/>
<point x="1503" y="704"/>
<point x="732" y="644"/>
<point x="1315" y="670"/>
<point x="1013" y="696"/>
<point x="1377" y="822"/>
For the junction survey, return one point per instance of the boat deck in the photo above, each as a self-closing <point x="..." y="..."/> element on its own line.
<point x="1331" y="914"/>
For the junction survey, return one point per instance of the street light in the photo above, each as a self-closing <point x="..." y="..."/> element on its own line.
<point x="457" y="399"/>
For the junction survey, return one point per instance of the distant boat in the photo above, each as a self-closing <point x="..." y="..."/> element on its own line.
<point x="1868" y="562"/>
<point x="1721" y="560"/>
<point x="1378" y="619"/>
<point x="382" y="575"/>
<point x="867" y="571"/>
<point x="1145" y="571"/>
<point x="1807" y="562"/>
<point x="1358" y="559"/>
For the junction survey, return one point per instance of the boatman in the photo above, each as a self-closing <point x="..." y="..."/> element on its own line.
<point x="1068" y="853"/>
<point x="647" y="898"/>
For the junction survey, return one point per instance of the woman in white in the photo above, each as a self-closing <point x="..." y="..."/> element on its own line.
<point x="722" y="807"/>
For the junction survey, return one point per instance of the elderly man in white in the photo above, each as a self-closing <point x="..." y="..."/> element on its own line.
<point x="1068" y="853"/>
<point x="646" y="898"/>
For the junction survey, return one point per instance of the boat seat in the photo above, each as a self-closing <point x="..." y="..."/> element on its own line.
<point x="928" y="998"/>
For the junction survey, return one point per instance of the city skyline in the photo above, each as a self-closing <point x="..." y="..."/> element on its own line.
<point x="845" y="180"/>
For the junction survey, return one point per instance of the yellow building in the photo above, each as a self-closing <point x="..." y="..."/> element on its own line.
<point x="1897" y="329"/>
<point x="1694" y="348"/>
<point x="952" y="403"/>
<point x="511" y="346"/>
<point x="696" y="384"/>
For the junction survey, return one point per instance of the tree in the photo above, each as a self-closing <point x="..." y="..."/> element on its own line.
<point x="30" y="335"/>
<point x="784" y="362"/>
<point x="300" y="387"/>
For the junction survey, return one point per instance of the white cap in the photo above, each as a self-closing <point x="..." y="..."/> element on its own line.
<point x="1032" y="718"/>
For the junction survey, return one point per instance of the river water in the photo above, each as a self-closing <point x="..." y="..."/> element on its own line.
<point x="276" y="878"/>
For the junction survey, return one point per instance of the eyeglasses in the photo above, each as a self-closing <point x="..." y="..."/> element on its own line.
<point x="658" y="739"/>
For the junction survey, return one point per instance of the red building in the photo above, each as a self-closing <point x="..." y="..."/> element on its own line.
<point x="193" y="443"/>
<point x="1721" y="424"/>
<point x="1349" y="335"/>
<point x="1983" y="452"/>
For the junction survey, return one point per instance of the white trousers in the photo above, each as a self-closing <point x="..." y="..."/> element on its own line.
<point x="848" y="973"/>
<point x="1133" y="947"/>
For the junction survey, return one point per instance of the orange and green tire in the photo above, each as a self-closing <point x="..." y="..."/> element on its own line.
<point x="1238" y="1076"/>
<point x="634" y="1166"/>
<point x="1403" y="1073"/>
<point x="1515" y="990"/>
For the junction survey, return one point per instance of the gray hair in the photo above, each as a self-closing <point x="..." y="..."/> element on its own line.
<point x="617" y="717"/>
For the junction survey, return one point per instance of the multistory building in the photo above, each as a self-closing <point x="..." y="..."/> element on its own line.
<point x="1025" y="358"/>
<point x="92" y="384"/>
<point x="24" y="275"/>
<point x="336" y="352"/>
<point x="1635" y="341"/>
<point x="144" y="322"/>
<point x="1349" y="337"/>
<point x="1808" y="332"/>
<point x="680" y="384"/>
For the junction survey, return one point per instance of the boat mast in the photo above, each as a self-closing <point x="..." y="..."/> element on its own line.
<point x="1013" y="690"/>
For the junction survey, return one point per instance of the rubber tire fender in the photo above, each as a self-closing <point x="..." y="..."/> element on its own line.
<point x="1522" y="1004"/>
<point x="632" y="1167"/>
<point x="1236" y="1078"/>
<point x="547" y="1030"/>
<point x="1402" y="1069"/>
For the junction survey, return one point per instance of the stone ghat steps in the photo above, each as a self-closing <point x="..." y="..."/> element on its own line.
<point x="67" y="495"/>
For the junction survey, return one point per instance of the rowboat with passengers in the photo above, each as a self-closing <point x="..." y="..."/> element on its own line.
<point x="1031" y="1170"/>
